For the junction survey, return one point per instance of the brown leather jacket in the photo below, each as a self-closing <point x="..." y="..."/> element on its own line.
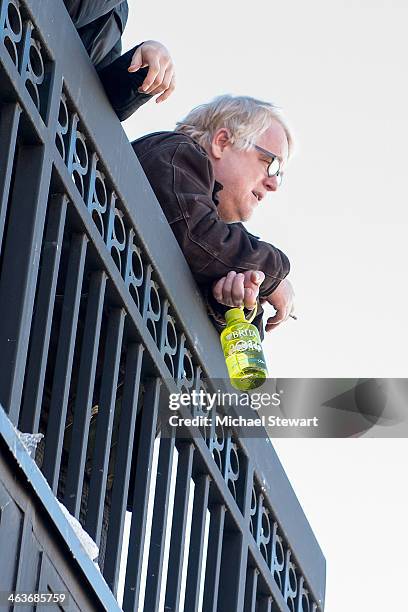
<point x="181" y="175"/>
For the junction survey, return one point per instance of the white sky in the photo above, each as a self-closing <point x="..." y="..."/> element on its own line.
<point x="338" y="70"/>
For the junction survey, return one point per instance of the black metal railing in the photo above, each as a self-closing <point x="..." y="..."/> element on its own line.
<point x="100" y="320"/>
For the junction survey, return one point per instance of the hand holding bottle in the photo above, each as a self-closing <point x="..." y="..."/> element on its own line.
<point x="239" y="288"/>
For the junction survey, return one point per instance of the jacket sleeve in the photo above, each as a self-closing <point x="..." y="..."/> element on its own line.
<point x="121" y="86"/>
<point x="83" y="12"/>
<point x="182" y="179"/>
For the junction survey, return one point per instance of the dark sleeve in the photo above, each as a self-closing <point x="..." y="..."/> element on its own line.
<point x="121" y="86"/>
<point x="182" y="180"/>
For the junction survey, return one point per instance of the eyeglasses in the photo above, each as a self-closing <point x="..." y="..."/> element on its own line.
<point x="273" y="168"/>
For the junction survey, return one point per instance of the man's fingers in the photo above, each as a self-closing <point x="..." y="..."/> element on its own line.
<point x="252" y="282"/>
<point x="167" y="87"/>
<point x="156" y="86"/>
<point x="227" y="288"/>
<point x="250" y="298"/>
<point x="276" y="320"/>
<point x="166" y="94"/>
<point x="257" y="277"/>
<point x="237" y="290"/>
<point x="217" y="289"/>
<point x="160" y="77"/>
<point x="154" y="69"/>
<point x="165" y="79"/>
<point x="136" y="62"/>
<point x="280" y="317"/>
<point x="271" y="324"/>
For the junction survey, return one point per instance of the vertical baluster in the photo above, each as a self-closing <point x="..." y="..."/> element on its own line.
<point x="235" y="555"/>
<point x="178" y="531"/>
<point x="250" y="589"/>
<point x="265" y="604"/>
<point x="18" y="279"/>
<point x="100" y="459"/>
<point x="212" y="571"/>
<point x="129" y="409"/>
<point x="84" y="393"/>
<point x="42" y="323"/>
<point x="195" y="558"/>
<point x="63" y="360"/>
<point x="9" y="121"/>
<point x="159" y="524"/>
<point x="141" y="494"/>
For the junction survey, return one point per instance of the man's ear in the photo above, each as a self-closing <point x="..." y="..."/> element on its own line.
<point x="219" y="142"/>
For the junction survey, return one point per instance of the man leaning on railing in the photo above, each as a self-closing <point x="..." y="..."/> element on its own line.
<point x="130" y="79"/>
<point x="209" y="176"/>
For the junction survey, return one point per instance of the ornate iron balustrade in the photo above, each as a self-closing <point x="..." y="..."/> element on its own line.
<point x="99" y="321"/>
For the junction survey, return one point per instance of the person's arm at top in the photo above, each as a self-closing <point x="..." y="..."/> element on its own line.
<point x="131" y="79"/>
<point x="137" y="75"/>
<point x="83" y="12"/>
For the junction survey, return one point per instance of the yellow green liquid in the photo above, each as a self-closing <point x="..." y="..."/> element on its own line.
<point x="246" y="371"/>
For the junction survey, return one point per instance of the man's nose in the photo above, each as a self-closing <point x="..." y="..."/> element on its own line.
<point x="271" y="183"/>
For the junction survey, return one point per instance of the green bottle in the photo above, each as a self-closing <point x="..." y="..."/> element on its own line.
<point x="243" y="353"/>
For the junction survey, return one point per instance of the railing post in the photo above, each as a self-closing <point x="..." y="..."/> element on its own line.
<point x="20" y="268"/>
<point x="9" y="121"/>
<point x="234" y="557"/>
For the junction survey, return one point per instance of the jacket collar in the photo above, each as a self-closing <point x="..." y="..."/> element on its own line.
<point x="217" y="188"/>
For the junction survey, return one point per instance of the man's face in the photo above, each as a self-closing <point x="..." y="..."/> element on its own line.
<point x="243" y="174"/>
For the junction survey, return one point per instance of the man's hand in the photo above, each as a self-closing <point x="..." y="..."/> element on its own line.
<point x="160" y="77"/>
<point x="282" y="299"/>
<point x="239" y="289"/>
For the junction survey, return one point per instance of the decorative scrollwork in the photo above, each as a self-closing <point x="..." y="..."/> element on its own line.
<point x="133" y="275"/>
<point x="263" y="531"/>
<point x="304" y="603"/>
<point x="200" y="408"/>
<point x="227" y="457"/>
<point x="27" y="53"/>
<point x="275" y="550"/>
<point x="290" y="587"/>
<point x="277" y="556"/>
<point x="32" y="64"/>
<point x="61" y="137"/>
<point x="231" y="466"/>
<point x="116" y="232"/>
<point x="252" y="513"/>
<point x="97" y="199"/>
<point x="151" y="304"/>
<point x="78" y="158"/>
<point x="216" y="443"/>
<point x="168" y="339"/>
<point x="186" y="372"/>
<point x="11" y="25"/>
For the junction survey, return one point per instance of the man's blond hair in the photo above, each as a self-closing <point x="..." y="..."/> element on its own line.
<point x="244" y="117"/>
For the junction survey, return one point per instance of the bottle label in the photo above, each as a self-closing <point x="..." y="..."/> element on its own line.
<point x="244" y="345"/>
<point x="242" y="333"/>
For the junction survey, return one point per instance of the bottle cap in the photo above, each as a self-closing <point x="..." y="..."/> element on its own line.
<point x="234" y="314"/>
